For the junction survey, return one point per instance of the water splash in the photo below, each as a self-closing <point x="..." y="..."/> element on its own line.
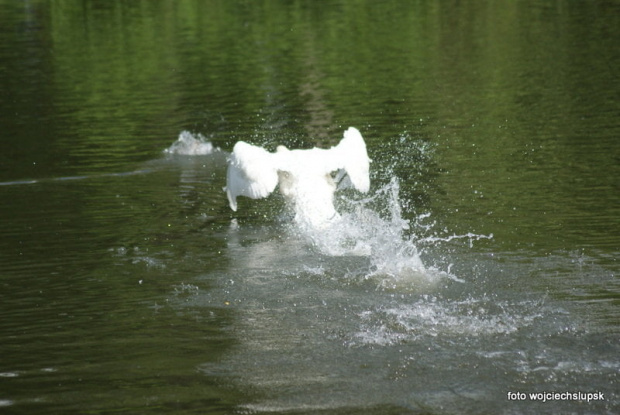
<point x="189" y="144"/>
<point x="388" y="240"/>
<point x="372" y="227"/>
<point x="432" y="317"/>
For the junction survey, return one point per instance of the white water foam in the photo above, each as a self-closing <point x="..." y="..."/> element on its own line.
<point x="189" y="144"/>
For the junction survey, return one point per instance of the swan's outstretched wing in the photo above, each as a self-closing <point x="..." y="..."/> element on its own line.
<point x="251" y="173"/>
<point x="353" y="158"/>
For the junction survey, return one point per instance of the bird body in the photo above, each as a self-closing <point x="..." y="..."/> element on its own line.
<point x="304" y="176"/>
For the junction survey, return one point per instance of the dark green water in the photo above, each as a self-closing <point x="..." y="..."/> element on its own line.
<point x="128" y="286"/>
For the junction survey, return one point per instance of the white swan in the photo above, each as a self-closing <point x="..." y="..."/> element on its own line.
<point x="304" y="176"/>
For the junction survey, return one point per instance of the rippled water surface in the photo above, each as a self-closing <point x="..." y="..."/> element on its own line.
<point x="480" y="269"/>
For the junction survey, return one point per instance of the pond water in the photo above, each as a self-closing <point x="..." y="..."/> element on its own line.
<point x="491" y="233"/>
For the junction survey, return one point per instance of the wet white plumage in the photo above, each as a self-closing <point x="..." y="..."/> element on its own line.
<point x="304" y="176"/>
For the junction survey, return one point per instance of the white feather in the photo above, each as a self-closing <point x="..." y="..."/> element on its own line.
<point x="355" y="161"/>
<point x="304" y="176"/>
<point x="251" y="172"/>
